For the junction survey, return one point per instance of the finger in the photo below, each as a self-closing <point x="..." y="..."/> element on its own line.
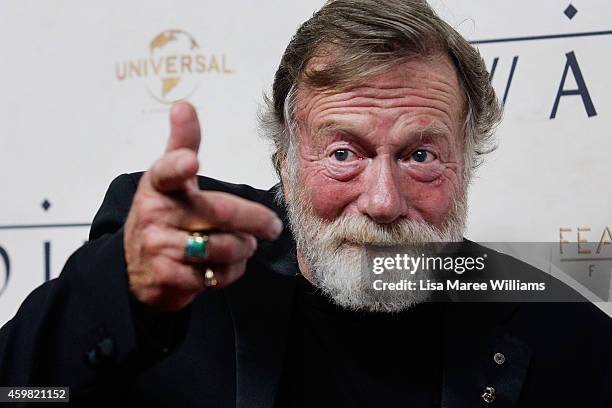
<point x="184" y="128"/>
<point x="175" y="285"/>
<point x="229" y="248"/>
<point x="222" y="248"/>
<point x="174" y="277"/>
<point x="172" y="285"/>
<point x="173" y="171"/>
<point x="232" y="213"/>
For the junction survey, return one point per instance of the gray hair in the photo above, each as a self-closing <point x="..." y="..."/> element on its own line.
<point x="367" y="37"/>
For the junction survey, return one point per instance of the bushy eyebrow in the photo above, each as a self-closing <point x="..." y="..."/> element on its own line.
<point x="433" y="130"/>
<point x="332" y="127"/>
<point x="350" y="131"/>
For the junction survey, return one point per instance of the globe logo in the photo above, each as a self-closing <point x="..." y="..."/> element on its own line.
<point x="173" y="67"/>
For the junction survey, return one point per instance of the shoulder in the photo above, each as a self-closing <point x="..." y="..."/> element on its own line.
<point x="570" y="353"/>
<point x="556" y="323"/>
<point x="555" y="316"/>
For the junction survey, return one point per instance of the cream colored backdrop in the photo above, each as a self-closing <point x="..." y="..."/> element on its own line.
<point x="84" y="98"/>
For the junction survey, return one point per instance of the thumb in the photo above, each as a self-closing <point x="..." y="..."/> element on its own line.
<point x="184" y="128"/>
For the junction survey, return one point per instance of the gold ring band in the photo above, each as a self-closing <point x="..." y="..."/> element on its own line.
<point x="209" y="278"/>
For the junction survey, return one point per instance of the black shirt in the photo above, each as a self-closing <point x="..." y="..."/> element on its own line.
<point x="342" y="358"/>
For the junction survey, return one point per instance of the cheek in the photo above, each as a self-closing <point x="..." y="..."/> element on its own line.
<point x="330" y="197"/>
<point x="429" y="201"/>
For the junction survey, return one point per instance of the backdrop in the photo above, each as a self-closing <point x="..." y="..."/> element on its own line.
<point x="87" y="86"/>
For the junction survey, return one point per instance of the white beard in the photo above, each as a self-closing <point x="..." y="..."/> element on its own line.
<point x="338" y="254"/>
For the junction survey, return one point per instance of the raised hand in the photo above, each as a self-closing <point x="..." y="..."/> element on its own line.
<point x="169" y="206"/>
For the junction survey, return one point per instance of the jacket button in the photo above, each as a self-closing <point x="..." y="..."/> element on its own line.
<point x="488" y="395"/>
<point x="499" y="358"/>
<point x="91" y="357"/>
<point x="101" y="354"/>
<point x="106" y="347"/>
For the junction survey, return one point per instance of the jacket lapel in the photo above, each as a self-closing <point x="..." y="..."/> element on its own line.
<point x="481" y="357"/>
<point x="261" y="305"/>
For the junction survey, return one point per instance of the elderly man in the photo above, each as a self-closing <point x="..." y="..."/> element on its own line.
<point x="193" y="291"/>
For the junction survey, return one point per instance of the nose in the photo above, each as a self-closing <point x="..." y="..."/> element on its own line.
<point x="382" y="199"/>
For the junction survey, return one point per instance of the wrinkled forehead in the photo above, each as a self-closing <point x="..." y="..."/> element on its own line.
<point x="434" y="76"/>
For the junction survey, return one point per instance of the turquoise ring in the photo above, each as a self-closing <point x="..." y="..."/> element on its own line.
<point x="196" y="247"/>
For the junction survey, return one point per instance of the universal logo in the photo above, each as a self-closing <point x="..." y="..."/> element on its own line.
<point x="172" y="70"/>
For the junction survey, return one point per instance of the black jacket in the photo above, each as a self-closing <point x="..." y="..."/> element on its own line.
<point x="85" y="331"/>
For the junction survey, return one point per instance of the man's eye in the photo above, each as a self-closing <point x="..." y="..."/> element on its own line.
<point x="343" y="155"/>
<point x="423" y="156"/>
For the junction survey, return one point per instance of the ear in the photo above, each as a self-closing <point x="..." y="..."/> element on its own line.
<point x="283" y="175"/>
